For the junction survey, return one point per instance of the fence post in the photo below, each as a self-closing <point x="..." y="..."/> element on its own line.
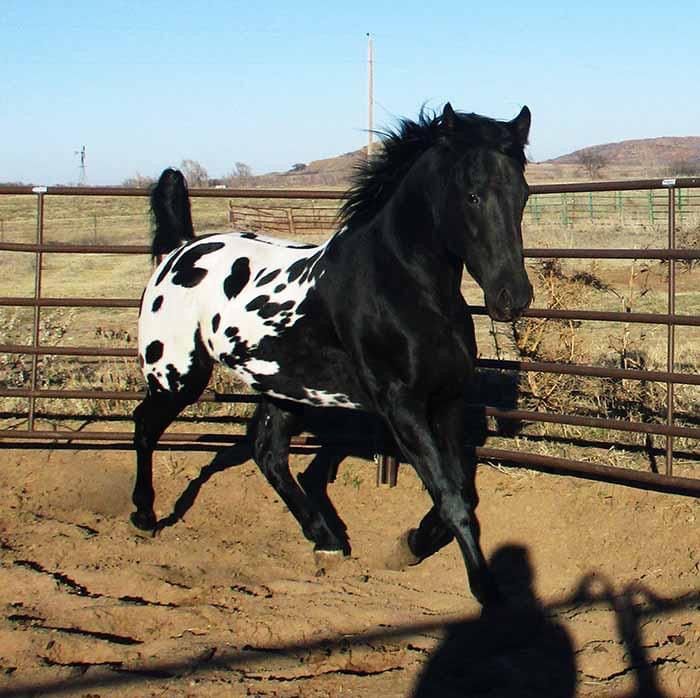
<point x="619" y="206"/>
<point x="590" y="204"/>
<point x="387" y="470"/>
<point x="38" y="262"/>
<point x="651" y="206"/>
<point x="670" y="358"/>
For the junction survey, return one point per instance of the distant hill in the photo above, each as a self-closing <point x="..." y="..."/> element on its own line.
<point x="649" y="157"/>
<point x="648" y="152"/>
<point x="329" y="172"/>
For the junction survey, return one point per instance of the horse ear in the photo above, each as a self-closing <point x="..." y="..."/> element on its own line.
<point x="449" y="118"/>
<point x="520" y="126"/>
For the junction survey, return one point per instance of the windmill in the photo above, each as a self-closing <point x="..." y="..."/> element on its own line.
<point x="82" y="178"/>
<point x="370" y="93"/>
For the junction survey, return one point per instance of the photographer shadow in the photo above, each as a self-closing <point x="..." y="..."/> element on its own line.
<point x="517" y="651"/>
<point x="522" y="651"/>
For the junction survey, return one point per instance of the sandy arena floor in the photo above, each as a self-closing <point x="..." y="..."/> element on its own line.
<point x="229" y="601"/>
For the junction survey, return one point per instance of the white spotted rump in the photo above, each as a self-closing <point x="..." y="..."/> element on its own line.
<point x="235" y="290"/>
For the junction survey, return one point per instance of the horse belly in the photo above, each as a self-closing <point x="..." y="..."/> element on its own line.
<point x="323" y="379"/>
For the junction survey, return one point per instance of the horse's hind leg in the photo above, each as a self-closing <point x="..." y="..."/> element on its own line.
<point x="151" y="418"/>
<point x="314" y="481"/>
<point x="271" y="430"/>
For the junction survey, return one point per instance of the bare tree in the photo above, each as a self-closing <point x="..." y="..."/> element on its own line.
<point x="592" y="162"/>
<point x="240" y="174"/>
<point x="243" y="170"/>
<point x="139" y="181"/>
<point x="684" y="168"/>
<point x="195" y="174"/>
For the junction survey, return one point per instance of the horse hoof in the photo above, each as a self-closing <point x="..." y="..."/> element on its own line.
<point x="145" y="523"/>
<point x="401" y="556"/>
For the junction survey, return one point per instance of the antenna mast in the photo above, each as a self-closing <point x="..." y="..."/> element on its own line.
<point x="82" y="179"/>
<point x="370" y="94"/>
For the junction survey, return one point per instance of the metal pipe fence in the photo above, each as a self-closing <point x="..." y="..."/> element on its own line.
<point x="676" y="193"/>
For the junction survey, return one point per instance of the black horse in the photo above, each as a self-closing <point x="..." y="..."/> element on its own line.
<point x="372" y="320"/>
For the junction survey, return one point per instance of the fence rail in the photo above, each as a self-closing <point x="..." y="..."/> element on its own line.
<point x="673" y="193"/>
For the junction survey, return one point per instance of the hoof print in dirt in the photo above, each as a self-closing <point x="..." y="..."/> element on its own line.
<point x="327" y="560"/>
<point x="401" y="555"/>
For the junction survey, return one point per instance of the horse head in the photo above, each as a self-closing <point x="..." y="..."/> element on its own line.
<point x="484" y="195"/>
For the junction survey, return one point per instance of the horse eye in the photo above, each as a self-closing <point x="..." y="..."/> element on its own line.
<point x="473" y="199"/>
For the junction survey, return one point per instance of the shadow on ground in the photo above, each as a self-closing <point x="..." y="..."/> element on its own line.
<point x="522" y="650"/>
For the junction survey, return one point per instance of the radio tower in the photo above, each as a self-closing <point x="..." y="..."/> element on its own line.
<point x="370" y="95"/>
<point x="82" y="178"/>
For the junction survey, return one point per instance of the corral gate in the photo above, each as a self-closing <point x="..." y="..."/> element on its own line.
<point x="663" y="204"/>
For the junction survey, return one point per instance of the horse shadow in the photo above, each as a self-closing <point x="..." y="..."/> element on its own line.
<point x="226" y="458"/>
<point x="341" y="433"/>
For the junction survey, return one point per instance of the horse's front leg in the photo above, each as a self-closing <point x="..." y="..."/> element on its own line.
<point x="433" y="441"/>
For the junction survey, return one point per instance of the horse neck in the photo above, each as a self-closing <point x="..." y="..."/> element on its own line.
<point x="409" y="226"/>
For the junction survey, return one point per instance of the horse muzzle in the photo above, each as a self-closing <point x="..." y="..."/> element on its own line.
<point x="510" y="304"/>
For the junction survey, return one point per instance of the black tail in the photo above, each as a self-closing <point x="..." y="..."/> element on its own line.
<point x="170" y="205"/>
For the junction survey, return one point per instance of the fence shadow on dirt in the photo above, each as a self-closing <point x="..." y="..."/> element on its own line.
<point x="525" y="651"/>
<point x="522" y="650"/>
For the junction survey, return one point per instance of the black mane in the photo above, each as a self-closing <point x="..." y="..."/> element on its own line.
<point x="376" y="179"/>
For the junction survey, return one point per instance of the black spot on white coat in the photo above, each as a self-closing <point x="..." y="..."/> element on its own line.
<point x="154" y="351"/>
<point x="268" y="277"/>
<point x="239" y="277"/>
<point x="185" y="271"/>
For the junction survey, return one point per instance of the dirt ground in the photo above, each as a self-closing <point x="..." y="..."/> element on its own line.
<point x="228" y="600"/>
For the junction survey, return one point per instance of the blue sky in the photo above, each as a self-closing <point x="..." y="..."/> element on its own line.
<point x="146" y="84"/>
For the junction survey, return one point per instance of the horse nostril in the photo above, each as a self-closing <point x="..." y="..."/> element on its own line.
<point x="505" y="300"/>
